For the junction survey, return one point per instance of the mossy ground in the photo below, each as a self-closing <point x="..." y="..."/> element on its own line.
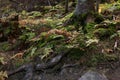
<point x="43" y="36"/>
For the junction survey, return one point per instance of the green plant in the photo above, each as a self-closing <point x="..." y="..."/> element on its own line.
<point x="118" y="1"/>
<point x="67" y="17"/>
<point x="103" y="33"/>
<point x="34" y="14"/>
<point x="91" y="41"/>
<point x="90" y="26"/>
<point x="5" y="46"/>
<point x="55" y="37"/>
<point x="47" y="51"/>
<point x="27" y="36"/>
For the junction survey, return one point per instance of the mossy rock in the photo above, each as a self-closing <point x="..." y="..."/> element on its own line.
<point x="103" y="33"/>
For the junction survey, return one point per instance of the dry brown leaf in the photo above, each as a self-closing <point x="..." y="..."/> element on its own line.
<point x="3" y="75"/>
<point x="18" y="56"/>
<point x="59" y="32"/>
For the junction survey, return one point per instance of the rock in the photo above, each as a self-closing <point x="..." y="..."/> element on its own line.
<point x="92" y="75"/>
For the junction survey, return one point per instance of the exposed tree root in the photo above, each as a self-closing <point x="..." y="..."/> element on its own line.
<point x="30" y="68"/>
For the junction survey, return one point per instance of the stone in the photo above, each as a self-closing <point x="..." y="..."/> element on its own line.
<point x="92" y="75"/>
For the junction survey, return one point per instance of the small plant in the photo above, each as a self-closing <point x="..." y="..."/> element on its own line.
<point x="2" y="60"/>
<point x="27" y="36"/>
<point x="34" y="14"/>
<point x="91" y="41"/>
<point x="3" y="75"/>
<point x="47" y="51"/>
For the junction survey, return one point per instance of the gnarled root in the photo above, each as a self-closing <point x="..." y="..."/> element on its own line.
<point x="31" y="67"/>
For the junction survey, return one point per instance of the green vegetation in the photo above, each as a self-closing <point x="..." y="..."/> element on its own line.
<point x="42" y="34"/>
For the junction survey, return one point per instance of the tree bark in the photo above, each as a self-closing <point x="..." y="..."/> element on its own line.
<point x="83" y="13"/>
<point x="66" y="6"/>
<point x="84" y="7"/>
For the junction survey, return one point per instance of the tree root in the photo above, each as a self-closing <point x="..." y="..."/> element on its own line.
<point x="30" y="68"/>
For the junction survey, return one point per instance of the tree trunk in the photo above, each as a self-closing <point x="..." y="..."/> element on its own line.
<point x="97" y="5"/>
<point x="84" y="7"/>
<point x="66" y="6"/>
<point x="83" y="13"/>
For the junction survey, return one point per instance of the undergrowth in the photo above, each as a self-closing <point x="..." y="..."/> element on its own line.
<point x="45" y="36"/>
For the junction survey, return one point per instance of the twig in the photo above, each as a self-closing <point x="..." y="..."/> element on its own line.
<point x="115" y="45"/>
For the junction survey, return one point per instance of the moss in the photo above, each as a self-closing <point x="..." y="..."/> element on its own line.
<point x="67" y="17"/>
<point x="105" y="29"/>
<point x="90" y="27"/>
<point x="98" y="18"/>
<point x="76" y="53"/>
<point x="101" y="58"/>
<point x="103" y="33"/>
<point x="112" y="57"/>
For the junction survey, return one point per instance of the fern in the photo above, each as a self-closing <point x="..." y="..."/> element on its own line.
<point x="2" y="60"/>
<point x="90" y="41"/>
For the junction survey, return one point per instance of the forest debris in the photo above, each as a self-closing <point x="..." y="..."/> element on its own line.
<point x="3" y="75"/>
<point x="66" y="34"/>
<point x="31" y="21"/>
<point x="115" y="45"/>
<point x="108" y="51"/>
<point x="91" y="41"/>
<point x="18" y="55"/>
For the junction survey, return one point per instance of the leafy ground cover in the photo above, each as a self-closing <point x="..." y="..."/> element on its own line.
<point x="39" y="36"/>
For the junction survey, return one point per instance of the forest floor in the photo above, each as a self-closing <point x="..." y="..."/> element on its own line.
<point x="38" y="36"/>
